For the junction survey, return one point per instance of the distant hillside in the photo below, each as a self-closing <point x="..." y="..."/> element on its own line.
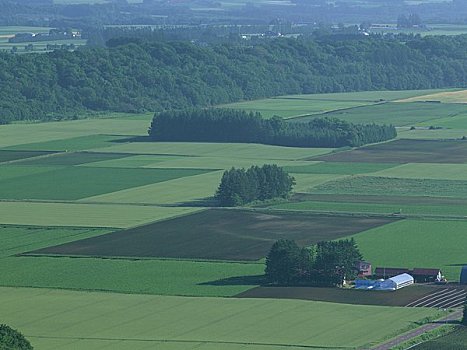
<point x="137" y="76"/>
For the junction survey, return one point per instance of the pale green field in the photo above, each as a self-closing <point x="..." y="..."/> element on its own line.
<point x="425" y="134"/>
<point x="84" y="215"/>
<point x="187" y="189"/>
<point x="306" y="182"/>
<point x="21" y="134"/>
<point x="427" y="171"/>
<point x="417" y="243"/>
<point x="186" y="322"/>
<point x="133" y="161"/>
<point x="225" y="150"/>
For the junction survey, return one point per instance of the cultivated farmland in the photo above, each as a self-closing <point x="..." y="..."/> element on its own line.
<point x="456" y="340"/>
<point x="218" y="234"/>
<point x="189" y="322"/>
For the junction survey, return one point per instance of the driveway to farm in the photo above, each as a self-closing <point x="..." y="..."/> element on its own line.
<point x="452" y="317"/>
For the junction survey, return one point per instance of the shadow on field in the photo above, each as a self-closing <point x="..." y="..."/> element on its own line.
<point x="133" y="139"/>
<point x="464" y="264"/>
<point x="254" y="280"/>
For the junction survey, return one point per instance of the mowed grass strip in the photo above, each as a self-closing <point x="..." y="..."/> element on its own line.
<point x="456" y="340"/>
<point x="218" y="234"/>
<point x="427" y="171"/>
<point x="397" y="114"/>
<point x="248" y="322"/>
<point x="417" y="243"/>
<point x="20" y="239"/>
<point x="132" y="161"/>
<point x="7" y="156"/>
<point x="74" y="158"/>
<point x="140" y="276"/>
<point x="342" y="168"/>
<point x="373" y="185"/>
<point x="84" y="215"/>
<point x="223" y="150"/>
<point x="73" y="183"/>
<point x="405" y="151"/>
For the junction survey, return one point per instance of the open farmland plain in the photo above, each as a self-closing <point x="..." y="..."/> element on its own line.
<point x="91" y="205"/>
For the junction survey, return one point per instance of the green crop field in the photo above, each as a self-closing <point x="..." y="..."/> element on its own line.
<point x="427" y="171"/>
<point x="457" y="340"/>
<point x="338" y="168"/>
<point x="417" y="243"/>
<point x="84" y="215"/>
<point x="7" y="156"/>
<point x="189" y="322"/>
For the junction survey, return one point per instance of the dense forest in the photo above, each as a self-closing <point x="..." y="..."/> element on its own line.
<point x="325" y="263"/>
<point x="240" y="186"/>
<point x="156" y="76"/>
<point x="11" y="339"/>
<point x="226" y="125"/>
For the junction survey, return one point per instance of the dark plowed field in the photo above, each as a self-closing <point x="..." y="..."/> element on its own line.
<point x="402" y="297"/>
<point x="218" y="234"/>
<point x="405" y="151"/>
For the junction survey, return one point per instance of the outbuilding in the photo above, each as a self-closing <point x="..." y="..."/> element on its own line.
<point x="463" y="278"/>
<point x="396" y="282"/>
<point x="427" y="275"/>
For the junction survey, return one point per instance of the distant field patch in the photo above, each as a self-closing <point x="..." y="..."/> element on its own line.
<point x="427" y="171"/>
<point x="75" y="158"/>
<point x="72" y="144"/>
<point x="397" y="114"/>
<point x="405" y="151"/>
<point x="338" y="168"/>
<point x="444" y="97"/>
<point x="131" y="161"/>
<point x="223" y="150"/>
<point x="417" y="243"/>
<point x="6" y="156"/>
<point x="72" y="183"/>
<point x="456" y="340"/>
<point x="20" y="239"/>
<point x="401" y="297"/>
<point x="218" y="234"/>
<point x="182" y="323"/>
<point x="84" y="215"/>
<point x="373" y="185"/>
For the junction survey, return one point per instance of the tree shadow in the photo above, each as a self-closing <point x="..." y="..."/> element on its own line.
<point x="252" y="280"/>
<point x="133" y="139"/>
<point x="456" y="265"/>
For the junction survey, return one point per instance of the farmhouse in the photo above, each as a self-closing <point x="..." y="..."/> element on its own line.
<point x="463" y="278"/>
<point x="364" y="269"/>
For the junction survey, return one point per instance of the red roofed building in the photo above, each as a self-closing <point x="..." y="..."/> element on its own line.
<point x="426" y="275"/>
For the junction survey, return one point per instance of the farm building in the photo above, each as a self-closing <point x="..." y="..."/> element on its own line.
<point x="463" y="278"/>
<point x="427" y="275"/>
<point x="386" y="272"/>
<point x="364" y="269"/>
<point x="396" y="282"/>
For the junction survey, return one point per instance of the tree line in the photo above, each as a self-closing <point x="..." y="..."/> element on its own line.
<point x="227" y="125"/>
<point x="157" y="76"/>
<point x="324" y="263"/>
<point x="240" y="186"/>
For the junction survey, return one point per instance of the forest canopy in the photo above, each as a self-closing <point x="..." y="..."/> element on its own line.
<point x="157" y="76"/>
<point x="227" y="125"/>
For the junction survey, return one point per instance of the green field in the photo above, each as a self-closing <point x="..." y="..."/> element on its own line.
<point x="457" y="340"/>
<point x="417" y="243"/>
<point x="341" y="168"/>
<point x="427" y="171"/>
<point x="184" y="323"/>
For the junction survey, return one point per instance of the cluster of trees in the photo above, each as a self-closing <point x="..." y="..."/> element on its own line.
<point x="156" y="76"/>
<point x="227" y="125"/>
<point x="325" y="263"/>
<point x="11" y="339"/>
<point x="240" y="186"/>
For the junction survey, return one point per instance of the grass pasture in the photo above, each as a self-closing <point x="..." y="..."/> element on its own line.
<point x="84" y="215"/>
<point x="217" y="234"/>
<point x="71" y="183"/>
<point x="74" y="158"/>
<point x="427" y="171"/>
<point x="8" y="156"/>
<point x="442" y="97"/>
<point x="404" y="151"/>
<point x="417" y="243"/>
<point x="186" y="322"/>
<point x="338" y="168"/>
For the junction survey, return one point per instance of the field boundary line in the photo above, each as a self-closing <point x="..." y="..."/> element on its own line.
<point x="182" y="341"/>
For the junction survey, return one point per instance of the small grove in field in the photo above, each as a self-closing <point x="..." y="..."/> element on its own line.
<point x="226" y="125"/>
<point x="11" y="339"/>
<point x="405" y="151"/>
<point x="218" y="234"/>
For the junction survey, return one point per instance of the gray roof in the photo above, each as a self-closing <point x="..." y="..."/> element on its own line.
<point x="402" y="278"/>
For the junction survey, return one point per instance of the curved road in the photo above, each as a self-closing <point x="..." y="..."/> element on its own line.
<point x="452" y="317"/>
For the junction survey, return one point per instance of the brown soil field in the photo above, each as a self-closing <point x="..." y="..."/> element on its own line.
<point x="218" y="234"/>
<point x="401" y="297"/>
<point x="404" y="151"/>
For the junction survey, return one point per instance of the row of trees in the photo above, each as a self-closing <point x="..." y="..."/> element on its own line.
<point x="158" y="76"/>
<point x="240" y="186"/>
<point x="325" y="263"/>
<point x="226" y="125"/>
